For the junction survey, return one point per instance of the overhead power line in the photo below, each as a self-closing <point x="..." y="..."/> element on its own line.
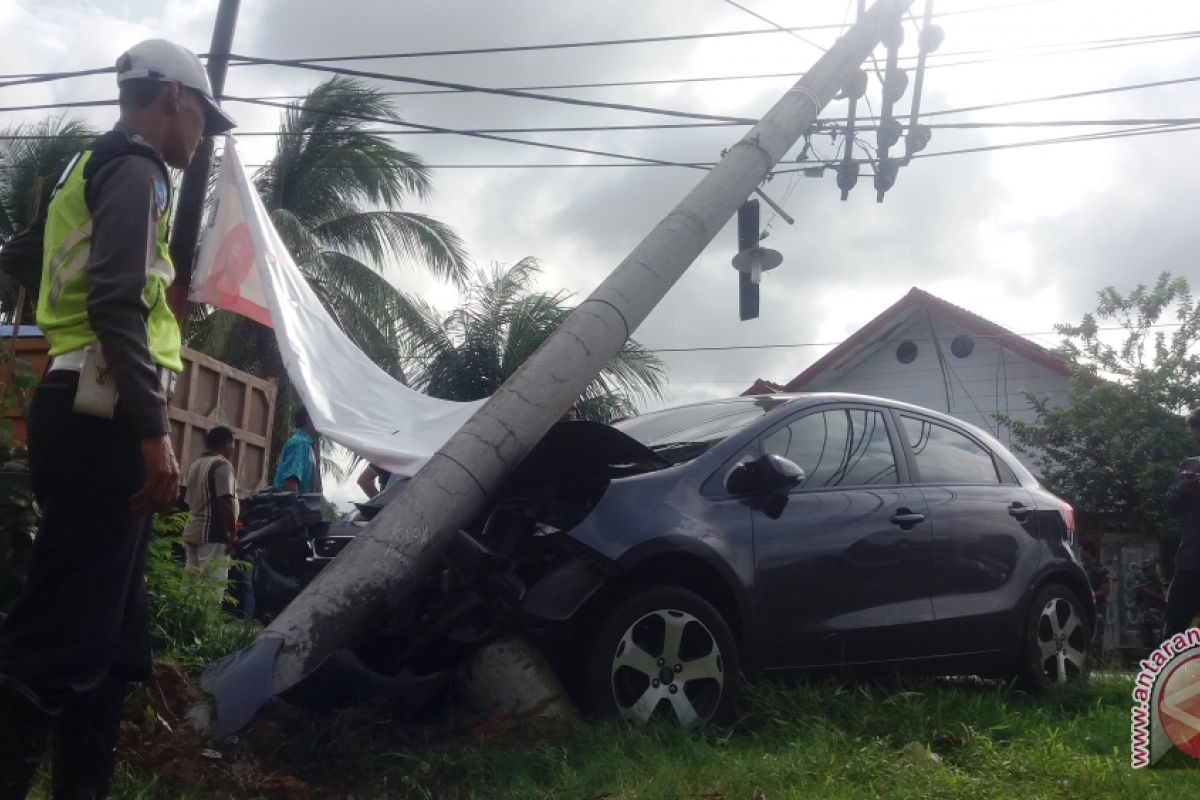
<point x="991" y="125"/>
<point x="715" y="78"/>
<point x="466" y="87"/>
<point x="1129" y="87"/>
<point x="747" y="121"/>
<point x="1009" y="335"/>
<point x="487" y="136"/>
<point x="778" y="27"/>
<point x="1149" y="131"/>
<point x="28" y="77"/>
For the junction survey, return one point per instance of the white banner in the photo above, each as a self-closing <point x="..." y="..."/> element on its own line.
<point x="244" y="267"/>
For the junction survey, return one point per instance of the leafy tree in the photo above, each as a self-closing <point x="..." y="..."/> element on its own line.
<point x="468" y="353"/>
<point x="335" y="192"/>
<point x="31" y="167"/>
<point x="1113" y="448"/>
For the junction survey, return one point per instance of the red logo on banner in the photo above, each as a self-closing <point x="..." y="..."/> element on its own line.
<point x="231" y="267"/>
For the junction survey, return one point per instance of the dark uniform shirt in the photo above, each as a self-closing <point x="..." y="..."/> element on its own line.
<point x="1187" y="504"/>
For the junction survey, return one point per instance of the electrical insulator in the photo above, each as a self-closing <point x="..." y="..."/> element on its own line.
<point x="889" y="133"/>
<point x="896" y="85"/>
<point x="885" y="177"/>
<point x="856" y="87"/>
<point x="917" y="139"/>
<point x="931" y="38"/>
<point x="893" y="37"/>
<point x="847" y="176"/>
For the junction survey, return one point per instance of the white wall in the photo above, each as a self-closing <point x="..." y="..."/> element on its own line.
<point x="990" y="379"/>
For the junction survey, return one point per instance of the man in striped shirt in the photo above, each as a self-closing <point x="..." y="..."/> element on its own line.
<point x="212" y="498"/>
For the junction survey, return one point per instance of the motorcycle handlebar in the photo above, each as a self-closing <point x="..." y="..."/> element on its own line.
<point x="294" y="521"/>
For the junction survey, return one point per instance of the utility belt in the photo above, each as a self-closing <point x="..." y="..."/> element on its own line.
<point x="96" y="395"/>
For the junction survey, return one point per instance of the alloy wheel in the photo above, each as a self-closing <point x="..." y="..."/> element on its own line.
<point x="668" y="658"/>
<point x="1061" y="641"/>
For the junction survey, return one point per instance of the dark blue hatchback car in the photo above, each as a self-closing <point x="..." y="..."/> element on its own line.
<point x="818" y="532"/>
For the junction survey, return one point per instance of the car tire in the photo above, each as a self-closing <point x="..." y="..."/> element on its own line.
<point x="1055" y="640"/>
<point x="663" y="653"/>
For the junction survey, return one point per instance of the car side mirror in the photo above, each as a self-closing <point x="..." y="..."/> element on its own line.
<point x="770" y="473"/>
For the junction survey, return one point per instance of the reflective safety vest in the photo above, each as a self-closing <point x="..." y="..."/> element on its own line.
<point x="62" y="300"/>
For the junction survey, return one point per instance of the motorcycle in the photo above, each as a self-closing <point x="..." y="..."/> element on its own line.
<point x="287" y="542"/>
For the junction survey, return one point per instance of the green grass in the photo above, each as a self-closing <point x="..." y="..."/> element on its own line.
<point x="805" y="740"/>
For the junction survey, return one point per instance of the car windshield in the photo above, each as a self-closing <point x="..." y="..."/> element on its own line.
<point x="681" y="434"/>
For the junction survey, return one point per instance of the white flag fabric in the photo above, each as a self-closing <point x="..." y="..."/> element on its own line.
<point x="244" y="267"/>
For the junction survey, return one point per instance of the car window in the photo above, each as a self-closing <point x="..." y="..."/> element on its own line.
<point x="842" y="447"/>
<point x="947" y="456"/>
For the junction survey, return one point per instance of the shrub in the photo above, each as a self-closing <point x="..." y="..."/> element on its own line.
<point x="186" y="619"/>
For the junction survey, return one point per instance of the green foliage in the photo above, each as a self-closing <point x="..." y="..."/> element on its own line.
<point x="1113" y="449"/>
<point x="468" y="353"/>
<point x="812" y="739"/>
<point x="32" y="166"/>
<point x="186" y="620"/>
<point x="18" y="380"/>
<point x="18" y="523"/>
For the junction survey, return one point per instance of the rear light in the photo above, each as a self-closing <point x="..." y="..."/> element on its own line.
<point x="1068" y="518"/>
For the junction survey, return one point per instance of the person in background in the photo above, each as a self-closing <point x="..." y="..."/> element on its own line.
<point x="373" y="480"/>
<point x="299" y="468"/>
<point x="1149" y="595"/>
<point x="1183" y="499"/>
<point x="212" y="496"/>
<point x="1101" y="584"/>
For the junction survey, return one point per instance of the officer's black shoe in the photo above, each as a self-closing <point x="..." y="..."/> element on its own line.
<point x="23" y="732"/>
<point x="85" y="743"/>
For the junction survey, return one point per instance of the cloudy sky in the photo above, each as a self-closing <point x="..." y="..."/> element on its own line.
<point x="1023" y="236"/>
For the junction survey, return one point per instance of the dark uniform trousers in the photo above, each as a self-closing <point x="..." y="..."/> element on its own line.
<point x="79" y="631"/>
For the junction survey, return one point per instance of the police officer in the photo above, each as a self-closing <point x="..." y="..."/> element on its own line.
<point x="101" y="461"/>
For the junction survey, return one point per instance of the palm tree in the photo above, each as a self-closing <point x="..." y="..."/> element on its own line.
<point x="32" y="158"/>
<point x="334" y="190"/>
<point x="502" y="320"/>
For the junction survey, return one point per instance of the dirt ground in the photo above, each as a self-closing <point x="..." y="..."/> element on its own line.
<point x="263" y="759"/>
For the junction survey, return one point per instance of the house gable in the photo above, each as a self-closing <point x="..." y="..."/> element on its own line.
<point x="931" y="353"/>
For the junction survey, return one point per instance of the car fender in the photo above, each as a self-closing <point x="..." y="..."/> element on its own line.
<point x="1068" y="573"/>
<point x="653" y="559"/>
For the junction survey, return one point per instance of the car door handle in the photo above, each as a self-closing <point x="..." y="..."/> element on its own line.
<point x="906" y="519"/>
<point x="1019" y="510"/>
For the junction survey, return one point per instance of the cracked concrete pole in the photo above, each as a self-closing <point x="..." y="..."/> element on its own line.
<point x="382" y="566"/>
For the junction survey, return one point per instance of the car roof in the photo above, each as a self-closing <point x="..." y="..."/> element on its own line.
<point x="811" y="398"/>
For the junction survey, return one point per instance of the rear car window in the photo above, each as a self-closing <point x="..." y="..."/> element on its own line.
<point x="946" y="456"/>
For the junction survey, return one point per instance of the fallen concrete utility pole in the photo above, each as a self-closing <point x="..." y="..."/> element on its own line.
<point x="384" y="563"/>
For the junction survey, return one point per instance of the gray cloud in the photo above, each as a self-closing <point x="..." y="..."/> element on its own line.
<point x="1024" y="237"/>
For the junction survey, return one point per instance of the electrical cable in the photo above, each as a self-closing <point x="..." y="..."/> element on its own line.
<point x="466" y="87"/>
<point x="28" y="78"/>
<point x="989" y="336"/>
<point x="775" y="25"/>
<point x="1123" y="41"/>
<point x="1062" y="123"/>
<point x="487" y="136"/>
